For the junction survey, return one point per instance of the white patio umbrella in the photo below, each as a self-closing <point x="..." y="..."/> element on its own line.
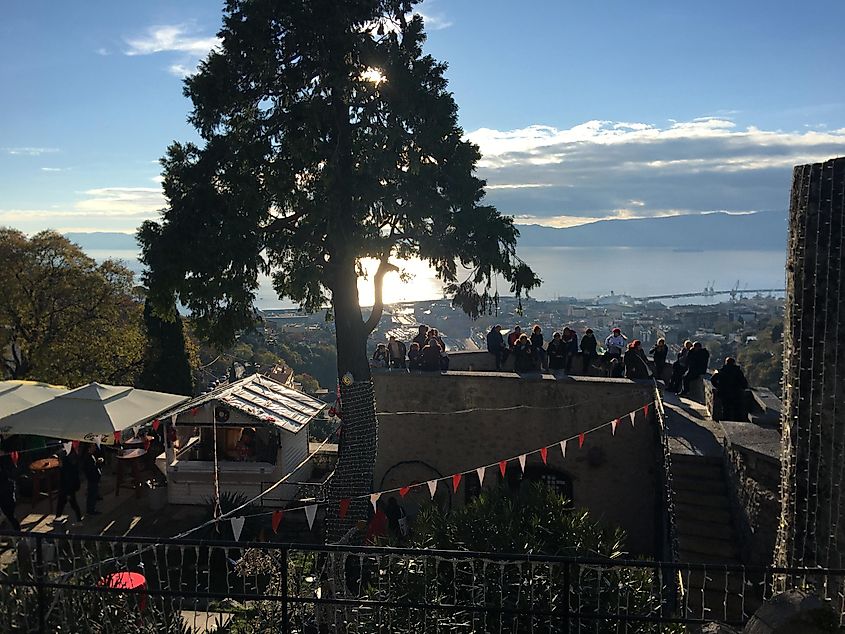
<point x="90" y="413"/>
<point x="16" y="396"/>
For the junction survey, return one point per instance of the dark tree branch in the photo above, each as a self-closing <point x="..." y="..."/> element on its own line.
<point x="384" y="268"/>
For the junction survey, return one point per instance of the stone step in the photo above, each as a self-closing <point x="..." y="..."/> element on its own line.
<point x="695" y="512"/>
<point x="717" y="487"/>
<point x="696" y="459"/>
<point x="701" y="470"/>
<point x="696" y="498"/>
<point x="724" y="548"/>
<point x="704" y="528"/>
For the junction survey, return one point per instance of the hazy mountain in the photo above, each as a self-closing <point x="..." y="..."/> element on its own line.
<point x="764" y="230"/>
<point x="104" y="241"/>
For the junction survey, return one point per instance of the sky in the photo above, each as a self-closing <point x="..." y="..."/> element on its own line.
<point x="582" y="110"/>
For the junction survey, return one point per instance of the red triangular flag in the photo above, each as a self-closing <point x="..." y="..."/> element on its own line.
<point x="403" y="491"/>
<point x="15" y="457"/>
<point x="194" y="411"/>
<point x="581" y="437"/>
<point x="75" y="445"/>
<point x="502" y="466"/>
<point x="146" y="443"/>
<point x="276" y="520"/>
<point x="645" y="410"/>
<point x="456" y="481"/>
<point x="544" y="452"/>
<point x="156" y="424"/>
<point x="344" y="507"/>
<point x="117" y="435"/>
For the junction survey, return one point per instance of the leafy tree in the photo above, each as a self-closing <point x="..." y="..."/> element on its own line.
<point x="166" y="364"/>
<point x="327" y="136"/>
<point x="63" y="318"/>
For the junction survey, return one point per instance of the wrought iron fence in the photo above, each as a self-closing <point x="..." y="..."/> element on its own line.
<point x="86" y="584"/>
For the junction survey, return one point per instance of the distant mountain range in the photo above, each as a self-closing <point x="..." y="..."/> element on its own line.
<point x="763" y="230"/>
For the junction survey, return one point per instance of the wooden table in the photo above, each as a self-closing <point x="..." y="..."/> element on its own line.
<point x="130" y="459"/>
<point x="44" y="472"/>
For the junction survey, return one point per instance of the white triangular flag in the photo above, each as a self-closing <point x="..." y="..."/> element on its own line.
<point x="67" y="446"/>
<point x="432" y="487"/>
<point x="310" y="513"/>
<point x="633" y="415"/>
<point x="613" y="426"/>
<point x="374" y="498"/>
<point x="173" y="419"/>
<point x="480" y="471"/>
<point x="135" y="430"/>
<point x="522" y="463"/>
<point x="237" y="526"/>
<point x="563" y="448"/>
<point x="97" y="441"/>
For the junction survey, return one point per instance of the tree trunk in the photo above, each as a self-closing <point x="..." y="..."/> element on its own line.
<point x="353" y="475"/>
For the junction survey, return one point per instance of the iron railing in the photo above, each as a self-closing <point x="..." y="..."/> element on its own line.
<point x="60" y="583"/>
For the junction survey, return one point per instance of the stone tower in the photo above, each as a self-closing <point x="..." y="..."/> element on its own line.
<point x="812" y="524"/>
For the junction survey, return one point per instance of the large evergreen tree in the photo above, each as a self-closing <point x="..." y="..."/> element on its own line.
<point x="166" y="365"/>
<point x="327" y="136"/>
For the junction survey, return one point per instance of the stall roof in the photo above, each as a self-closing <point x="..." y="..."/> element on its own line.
<point x="265" y="400"/>
<point x="90" y="412"/>
<point x="16" y="396"/>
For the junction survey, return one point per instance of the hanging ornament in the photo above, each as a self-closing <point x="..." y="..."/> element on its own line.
<point x="276" y="520"/>
<point x="456" y="481"/>
<point x="633" y="415"/>
<point x="432" y="487"/>
<point x="544" y="454"/>
<point x="343" y="508"/>
<point x="347" y="379"/>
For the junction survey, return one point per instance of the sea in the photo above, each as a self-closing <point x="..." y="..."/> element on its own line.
<point x="581" y="272"/>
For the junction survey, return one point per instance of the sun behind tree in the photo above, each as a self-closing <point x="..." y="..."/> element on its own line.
<point x="328" y="137"/>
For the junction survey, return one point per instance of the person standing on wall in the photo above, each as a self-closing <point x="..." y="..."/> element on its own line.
<point x="730" y="384"/>
<point x="589" y="345"/>
<point x="697" y="361"/>
<point x="658" y="353"/>
<point x="679" y="368"/>
<point x="556" y="353"/>
<point x="496" y="345"/>
<point x="422" y="336"/>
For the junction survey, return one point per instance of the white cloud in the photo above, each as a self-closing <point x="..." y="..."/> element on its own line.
<point x="601" y="169"/>
<point x="171" y="38"/>
<point x="54" y="169"/>
<point x="434" y="21"/>
<point x="133" y="201"/>
<point x="29" y="151"/>
<point x="103" y="52"/>
<point x="180" y="39"/>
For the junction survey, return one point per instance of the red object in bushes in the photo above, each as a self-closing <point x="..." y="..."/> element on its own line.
<point x="132" y="581"/>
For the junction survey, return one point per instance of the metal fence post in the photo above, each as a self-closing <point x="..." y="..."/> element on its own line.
<point x="567" y="585"/>
<point x="39" y="584"/>
<point x="285" y="607"/>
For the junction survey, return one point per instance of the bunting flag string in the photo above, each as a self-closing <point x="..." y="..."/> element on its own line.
<point x="455" y="479"/>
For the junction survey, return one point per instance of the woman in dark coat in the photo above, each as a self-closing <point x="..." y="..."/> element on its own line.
<point x="556" y="352"/>
<point x="636" y="364"/>
<point x="69" y="483"/>
<point x="658" y="353"/>
<point x="588" y="349"/>
<point x="524" y="354"/>
<point x="8" y="498"/>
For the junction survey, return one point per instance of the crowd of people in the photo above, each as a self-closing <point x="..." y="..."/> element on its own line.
<point x="426" y="352"/>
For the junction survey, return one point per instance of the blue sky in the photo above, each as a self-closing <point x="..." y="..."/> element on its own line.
<point x="582" y="110"/>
